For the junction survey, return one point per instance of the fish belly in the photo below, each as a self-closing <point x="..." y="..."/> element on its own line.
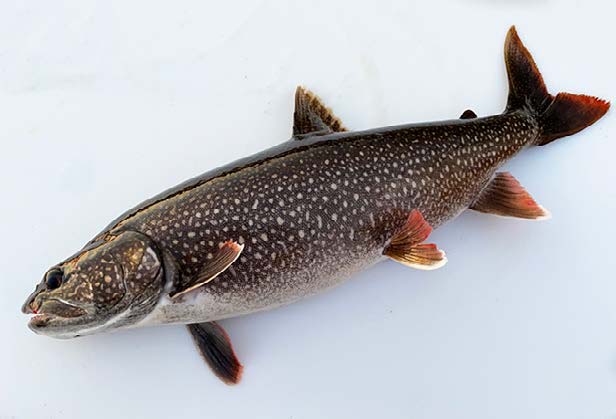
<point x="274" y="291"/>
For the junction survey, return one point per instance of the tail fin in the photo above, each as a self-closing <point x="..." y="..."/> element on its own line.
<point x="560" y="115"/>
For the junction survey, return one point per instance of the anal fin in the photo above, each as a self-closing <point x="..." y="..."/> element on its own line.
<point x="217" y="351"/>
<point x="506" y="197"/>
<point x="407" y="245"/>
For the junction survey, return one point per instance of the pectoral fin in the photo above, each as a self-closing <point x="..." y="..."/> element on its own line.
<point x="505" y="196"/>
<point x="216" y="348"/>
<point x="220" y="261"/>
<point x="312" y="117"/>
<point x="407" y="245"/>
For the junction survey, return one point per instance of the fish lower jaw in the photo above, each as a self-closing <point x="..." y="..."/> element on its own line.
<point x="40" y="321"/>
<point x="38" y="324"/>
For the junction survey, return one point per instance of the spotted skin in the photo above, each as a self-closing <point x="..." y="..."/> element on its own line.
<point x="303" y="216"/>
<point x="315" y="211"/>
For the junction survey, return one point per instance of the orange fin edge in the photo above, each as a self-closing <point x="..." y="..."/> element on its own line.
<point x="216" y="348"/>
<point x="221" y="260"/>
<point x="505" y="196"/>
<point x="407" y="245"/>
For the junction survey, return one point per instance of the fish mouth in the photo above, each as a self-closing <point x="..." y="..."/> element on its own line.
<point x="54" y="313"/>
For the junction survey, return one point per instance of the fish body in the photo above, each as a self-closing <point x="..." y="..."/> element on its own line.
<point x="313" y="212"/>
<point x="303" y="216"/>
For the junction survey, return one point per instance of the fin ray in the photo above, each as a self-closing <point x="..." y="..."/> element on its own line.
<point x="558" y="116"/>
<point x="216" y="349"/>
<point x="226" y="255"/>
<point x="311" y="116"/>
<point x="505" y="196"/>
<point x="407" y="245"/>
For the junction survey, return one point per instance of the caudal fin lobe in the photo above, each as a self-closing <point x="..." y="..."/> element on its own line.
<point x="560" y="115"/>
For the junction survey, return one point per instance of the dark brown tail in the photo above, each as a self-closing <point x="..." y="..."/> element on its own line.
<point x="560" y="115"/>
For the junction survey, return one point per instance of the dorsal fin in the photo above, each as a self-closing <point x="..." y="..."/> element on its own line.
<point x="505" y="196"/>
<point x="468" y="114"/>
<point x="311" y="116"/>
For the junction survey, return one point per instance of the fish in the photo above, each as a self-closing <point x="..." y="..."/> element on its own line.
<point x="303" y="216"/>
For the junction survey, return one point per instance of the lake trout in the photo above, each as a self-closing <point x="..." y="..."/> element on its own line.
<point x="303" y="216"/>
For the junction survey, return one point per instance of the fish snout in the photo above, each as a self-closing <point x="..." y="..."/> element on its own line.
<point x="31" y="306"/>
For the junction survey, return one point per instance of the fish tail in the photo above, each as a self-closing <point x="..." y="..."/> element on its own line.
<point x="558" y="116"/>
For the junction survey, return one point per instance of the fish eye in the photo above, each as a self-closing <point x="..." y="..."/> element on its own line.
<point x="54" y="278"/>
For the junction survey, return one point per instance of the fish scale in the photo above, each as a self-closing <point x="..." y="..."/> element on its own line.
<point x="303" y="216"/>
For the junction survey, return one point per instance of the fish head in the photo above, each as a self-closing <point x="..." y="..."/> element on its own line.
<point x="112" y="283"/>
